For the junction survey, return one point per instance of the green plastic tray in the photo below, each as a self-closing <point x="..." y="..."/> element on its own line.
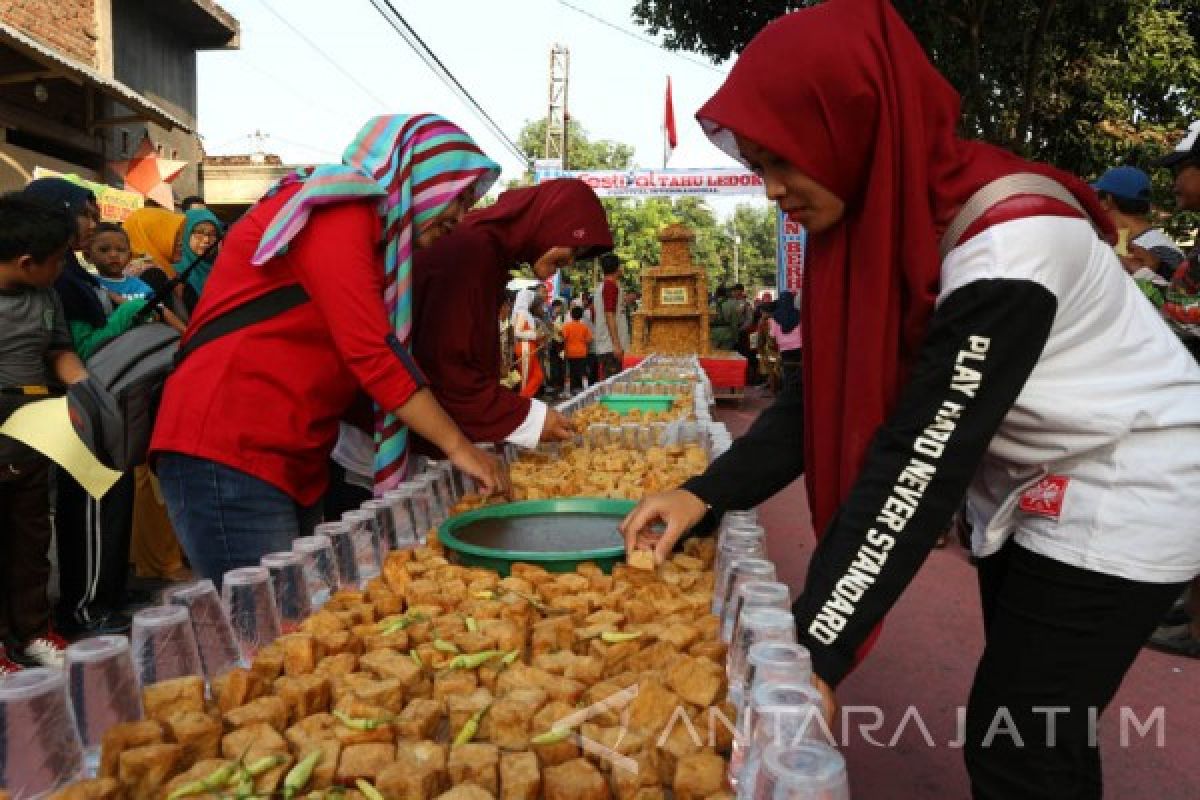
<point x="624" y="403"/>
<point x="566" y="560"/>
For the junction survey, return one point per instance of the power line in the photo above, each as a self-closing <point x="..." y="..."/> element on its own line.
<point x="643" y="39"/>
<point x="382" y="103"/>
<point x="414" y="40"/>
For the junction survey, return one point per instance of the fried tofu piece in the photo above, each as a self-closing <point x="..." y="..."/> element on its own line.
<point x="627" y="784"/>
<point x="715" y="651"/>
<point x="383" y="729"/>
<point x="547" y="720"/>
<point x="398" y="640"/>
<point x="270" y="709"/>
<point x="460" y="708"/>
<point x="143" y="771"/>
<point x="126" y="736"/>
<point x="574" y="780"/>
<point x="419" y="720"/>
<point x="519" y="676"/>
<point x="345" y="598"/>
<point x="268" y="663"/>
<point x="506" y="634"/>
<point x="682" y="636"/>
<point x="338" y="643"/>
<point x="387" y="602"/>
<point x="325" y="772"/>
<point x="614" y="655"/>
<point x="253" y="741"/>
<point x="364" y="761"/>
<point x="386" y="693"/>
<point x="301" y="652"/>
<point x="477" y="763"/>
<point x="395" y="570"/>
<point x="96" y="789"/>
<point x="311" y="729"/>
<point x="198" y="733"/>
<point x="304" y="695"/>
<point x="640" y="559"/>
<point x="656" y="793"/>
<point x="321" y="623"/>
<point x="467" y="791"/>
<point x="720" y="723"/>
<point x="198" y="772"/>
<point x="460" y="681"/>
<point x="551" y="635"/>
<point x="161" y="700"/>
<point x="532" y="574"/>
<point x="650" y="711"/>
<point x="697" y="680"/>
<point x="334" y="666"/>
<point x="615" y="739"/>
<point x="386" y="663"/>
<point x="237" y="687"/>
<point x="698" y="776"/>
<point x="507" y="723"/>
<point x="678" y="741"/>
<point x="520" y="778"/>
<point x="474" y="641"/>
<point x="418" y="774"/>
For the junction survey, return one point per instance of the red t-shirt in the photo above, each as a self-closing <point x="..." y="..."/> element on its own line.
<point x="610" y="293"/>
<point x="575" y="339"/>
<point x="266" y="400"/>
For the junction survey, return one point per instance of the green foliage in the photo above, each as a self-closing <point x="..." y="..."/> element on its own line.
<point x="582" y="152"/>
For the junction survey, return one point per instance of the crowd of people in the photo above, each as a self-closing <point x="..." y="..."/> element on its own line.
<point x="981" y="338"/>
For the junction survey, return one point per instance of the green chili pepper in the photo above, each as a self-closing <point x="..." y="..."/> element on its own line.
<point x="472" y="625"/>
<point x="265" y="764"/>
<point x="613" y="637"/>
<point x="510" y="657"/>
<point x="485" y="594"/>
<point x="354" y="723"/>
<point x="553" y="736"/>
<point x="369" y="791"/>
<point x="471" y="728"/>
<point x="213" y="781"/>
<point x="244" y="789"/>
<point x="472" y="660"/>
<point x="299" y="775"/>
<point x="444" y="646"/>
<point x="416" y="658"/>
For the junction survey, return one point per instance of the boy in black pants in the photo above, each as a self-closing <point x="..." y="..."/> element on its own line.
<point x="35" y="355"/>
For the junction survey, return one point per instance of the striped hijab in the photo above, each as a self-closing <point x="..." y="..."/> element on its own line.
<point x="415" y="165"/>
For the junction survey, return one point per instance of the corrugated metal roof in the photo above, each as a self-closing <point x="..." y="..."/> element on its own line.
<point x="116" y="90"/>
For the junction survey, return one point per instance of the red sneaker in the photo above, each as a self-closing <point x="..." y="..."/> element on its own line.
<point x="7" y="665"/>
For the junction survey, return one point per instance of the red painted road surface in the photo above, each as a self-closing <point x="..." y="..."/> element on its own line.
<point x="923" y="666"/>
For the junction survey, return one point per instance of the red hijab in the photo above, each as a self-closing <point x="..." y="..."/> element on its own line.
<point x="529" y="221"/>
<point x="844" y="92"/>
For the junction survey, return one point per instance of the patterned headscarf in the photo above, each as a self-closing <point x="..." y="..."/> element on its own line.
<point x="416" y="165"/>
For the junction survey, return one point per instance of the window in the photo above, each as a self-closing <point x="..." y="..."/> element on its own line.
<point x="124" y="142"/>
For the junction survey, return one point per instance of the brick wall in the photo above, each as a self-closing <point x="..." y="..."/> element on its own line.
<point x="68" y="26"/>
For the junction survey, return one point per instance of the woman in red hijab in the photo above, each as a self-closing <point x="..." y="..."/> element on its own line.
<point x="968" y="335"/>
<point x="460" y="283"/>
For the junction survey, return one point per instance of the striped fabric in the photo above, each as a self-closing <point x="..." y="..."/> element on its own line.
<point x="415" y="165"/>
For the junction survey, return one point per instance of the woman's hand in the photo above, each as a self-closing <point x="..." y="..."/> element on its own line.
<point x="138" y="266"/>
<point x="483" y="467"/>
<point x="556" y="428"/>
<point x="679" y="509"/>
<point x="171" y="319"/>
<point x="829" y="704"/>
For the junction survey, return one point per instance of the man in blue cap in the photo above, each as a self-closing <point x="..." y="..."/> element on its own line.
<point x="1125" y="194"/>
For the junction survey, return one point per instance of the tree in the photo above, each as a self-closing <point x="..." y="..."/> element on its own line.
<point x="582" y="152"/>
<point x="1081" y="83"/>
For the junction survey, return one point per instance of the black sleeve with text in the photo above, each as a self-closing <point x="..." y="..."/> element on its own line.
<point x="983" y="342"/>
<point x="759" y="463"/>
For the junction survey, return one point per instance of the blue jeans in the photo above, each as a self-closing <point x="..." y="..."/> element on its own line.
<point x="225" y="518"/>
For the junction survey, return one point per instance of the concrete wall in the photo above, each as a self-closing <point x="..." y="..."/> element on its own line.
<point x="17" y="163"/>
<point x="66" y="25"/>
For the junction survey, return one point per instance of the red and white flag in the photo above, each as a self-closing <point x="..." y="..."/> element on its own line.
<point x="670" y="138"/>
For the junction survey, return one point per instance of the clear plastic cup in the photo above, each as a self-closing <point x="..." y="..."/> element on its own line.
<point x="369" y="548"/>
<point x="429" y="486"/>
<point x="615" y="436"/>
<point x="341" y="540"/>
<point x="164" y="644"/>
<point x="809" y="771"/>
<point x="597" y="435"/>
<point x="219" y="649"/>
<point x="320" y="567"/>
<point x="757" y="625"/>
<point x="292" y="595"/>
<point x="782" y="714"/>
<point x="421" y="507"/>
<point x="755" y="594"/>
<point x="103" y="689"/>
<point x="735" y="544"/>
<point x="443" y="472"/>
<point x="40" y="749"/>
<point x="658" y="433"/>
<point x="403" y="530"/>
<point x="383" y="523"/>
<point x="778" y="662"/>
<point x="732" y="519"/>
<point x="630" y="435"/>
<point x="741" y="571"/>
<point x="249" y="597"/>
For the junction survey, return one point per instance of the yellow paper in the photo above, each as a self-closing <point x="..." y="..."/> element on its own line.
<point x="1122" y="247"/>
<point x="46" y="427"/>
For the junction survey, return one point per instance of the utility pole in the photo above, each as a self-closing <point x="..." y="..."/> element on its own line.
<point x="557" y="117"/>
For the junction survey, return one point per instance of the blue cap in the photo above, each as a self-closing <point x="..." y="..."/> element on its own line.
<point x="1128" y="183"/>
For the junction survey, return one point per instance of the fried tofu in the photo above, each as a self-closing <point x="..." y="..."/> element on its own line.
<point x="301" y="652"/>
<point x="311" y="729"/>
<point x="386" y="693"/>
<point x="198" y="772"/>
<point x="640" y="559"/>
<point x="574" y="780"/>
<point x="325" y="772"/>
<point x="507" y="723"/>
<point x="682" y="636"/>
<point x="419" y="720"/>
<point x="477" y="763"/>
<point x="96" y="789"/>
<point x="418" y="774"/>
<point x="698" y="776"/>
<point x="626" y="784"/>
<point x="322" y="623"/>
<point x="364" y="761"/>
<point x="380" y="731"/>
<point x="126" y="736"/>
<point x="161" y="700"/>
<point x="237" y="687"/>
<point x="548" y="720"/>
<point x="334" y="666"/>
<point x="697" y="680"/>
<point x="467" y="791"/>
<point x="653" y="707"/>
<point x="506" y="634"/>
<point x="304" y="695"/>
<point x="551" y="635"/>
<point x="270" y="710"/>
<point x="252" y="741"/>
<point x="332" y="644"/>
<point x="460" y="708"/>
<point x="520" y="777"/>
<point x="198" y="734"/>
<point x="460" y="681"/>
<point x="268" y="663"/>
<point x="143" y="771"/>
<point x="387" y="663"/>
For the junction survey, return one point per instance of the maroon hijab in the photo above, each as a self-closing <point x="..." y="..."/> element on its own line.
<point x="844" y="92"/>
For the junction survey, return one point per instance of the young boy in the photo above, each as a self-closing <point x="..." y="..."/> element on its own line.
<point x="576" y="337"/>
<point x="35" y="355"/>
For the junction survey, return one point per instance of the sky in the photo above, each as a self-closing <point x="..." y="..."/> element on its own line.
<point x="309" y="101"/>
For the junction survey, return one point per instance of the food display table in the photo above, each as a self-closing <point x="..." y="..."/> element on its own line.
<point x="725" y="371"/>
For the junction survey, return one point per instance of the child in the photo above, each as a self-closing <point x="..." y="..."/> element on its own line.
<point x="110" y="253"/>
<point x="35" y="354"/>
<point x="576" y="338"/>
